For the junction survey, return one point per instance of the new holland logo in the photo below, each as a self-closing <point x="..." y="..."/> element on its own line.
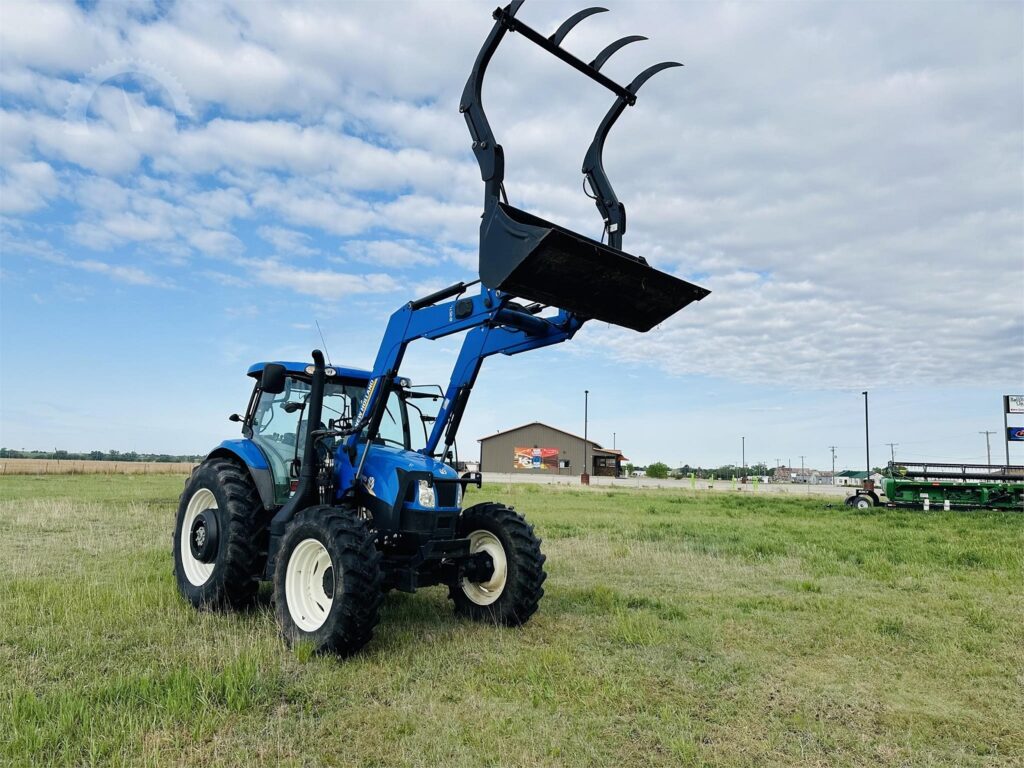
<point x="366" y="399"/>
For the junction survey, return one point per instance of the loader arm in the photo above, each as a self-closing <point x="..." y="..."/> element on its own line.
<point x="496" y="326"/>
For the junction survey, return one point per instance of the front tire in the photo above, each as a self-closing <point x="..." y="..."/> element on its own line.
<point x="327" y="581"/>
<point x="512" y="594"/>
<point x="863" y="502"/>
<point x="221" y="507"/>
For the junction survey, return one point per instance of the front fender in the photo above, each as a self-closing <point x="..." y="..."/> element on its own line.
<point x="247" y="452"/>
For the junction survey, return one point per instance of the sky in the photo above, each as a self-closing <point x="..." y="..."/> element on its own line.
<point x="187" y="188"/>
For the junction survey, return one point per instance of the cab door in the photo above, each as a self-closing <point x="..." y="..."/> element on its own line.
<point x="278" y="428"/>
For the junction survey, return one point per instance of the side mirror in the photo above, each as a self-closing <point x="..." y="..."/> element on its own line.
<point x="273" y="377"/>
<point x="234" y="417"/>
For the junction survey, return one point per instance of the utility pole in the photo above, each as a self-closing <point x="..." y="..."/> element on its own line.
<point x="744" y="439"/>
<point x="585" y="479"/>
<point x="833" y="449"/>
<point x="802" y="473"/>
<point x="892" y="451"/>
<point x="988" y="445"/>
<point x="867" y="438"/>
<point x="613" y="441"/>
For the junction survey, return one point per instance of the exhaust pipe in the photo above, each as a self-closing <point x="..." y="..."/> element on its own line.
<point x="306" y="491"/>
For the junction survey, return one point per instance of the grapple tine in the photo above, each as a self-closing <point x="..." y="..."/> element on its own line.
<point x="648" y="73"/>
<point x="613" y="211"/>
<point x="607" y="53"/>
<point x="571" y="22"/>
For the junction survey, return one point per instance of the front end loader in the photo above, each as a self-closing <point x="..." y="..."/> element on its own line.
<point x="342" y="485"/>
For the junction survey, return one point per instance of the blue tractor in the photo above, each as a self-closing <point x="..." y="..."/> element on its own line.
<point x="342" y="485"/>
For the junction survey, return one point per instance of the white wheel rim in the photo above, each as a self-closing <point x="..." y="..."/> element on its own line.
<point x="196" y="571"/>
<point x="308" y="602"/>
<point x="486" y="592"/>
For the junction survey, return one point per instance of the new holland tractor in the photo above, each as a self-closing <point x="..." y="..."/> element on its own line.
<point x="342" y="485"/>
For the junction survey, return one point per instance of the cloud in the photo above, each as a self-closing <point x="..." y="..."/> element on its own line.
<point x="846" y="178"/>
<point x="325" y="284"/>
<point x="389" y="253"/>
<point x="125" y="274"/>
<point x="287" y="241"/>
<point x="26" y="187"/>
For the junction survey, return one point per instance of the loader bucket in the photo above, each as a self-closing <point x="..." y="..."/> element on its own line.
<point x="534" y="259"/>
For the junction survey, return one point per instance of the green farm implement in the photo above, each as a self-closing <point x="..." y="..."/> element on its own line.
<point x="946" y="486"/>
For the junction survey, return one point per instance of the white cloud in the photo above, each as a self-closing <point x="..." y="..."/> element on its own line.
<point x="843" y="175"/>
<point x="215" y="243"/>
<point x="287" y="241"/>
<point x="26" y="187"/>
<point x="389" y="253"/>
<point x="325" y="284"/>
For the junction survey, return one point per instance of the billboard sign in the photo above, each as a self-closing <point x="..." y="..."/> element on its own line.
<point x="1015" y="434"/>
<point x="1014" y="403"/>
<point x="532" y="457"/>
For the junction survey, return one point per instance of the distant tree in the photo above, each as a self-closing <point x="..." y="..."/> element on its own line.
<point x="629" y="469"/>
<point x="658" y="470"/>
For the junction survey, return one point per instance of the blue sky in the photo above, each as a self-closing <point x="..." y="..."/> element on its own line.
<point x="188" y="187"/>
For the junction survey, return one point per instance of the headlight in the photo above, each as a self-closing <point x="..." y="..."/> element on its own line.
<point x="458" y="495"/>
<point x="428" y="498"/>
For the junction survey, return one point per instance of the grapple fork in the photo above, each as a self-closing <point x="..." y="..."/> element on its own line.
<point x="524" y="255"/>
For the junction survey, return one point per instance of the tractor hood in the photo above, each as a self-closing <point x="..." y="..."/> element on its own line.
<point x="386" y="465"/>
<point x="384" y="456"/>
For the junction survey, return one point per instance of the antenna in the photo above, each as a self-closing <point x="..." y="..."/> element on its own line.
<point x="322" y="340"/>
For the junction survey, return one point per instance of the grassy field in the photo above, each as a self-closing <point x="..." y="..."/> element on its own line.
<point x="677" y="629"/>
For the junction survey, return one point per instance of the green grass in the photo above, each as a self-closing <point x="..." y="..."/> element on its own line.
<point x="677" y="629"/>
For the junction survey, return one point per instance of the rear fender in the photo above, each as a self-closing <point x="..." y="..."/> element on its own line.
<point x="247" y="452"/>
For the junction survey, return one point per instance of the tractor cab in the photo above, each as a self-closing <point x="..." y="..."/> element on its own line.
<point x="277" y="420"/>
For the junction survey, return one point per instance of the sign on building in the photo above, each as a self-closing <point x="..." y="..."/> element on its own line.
<point x="524" y="457"/>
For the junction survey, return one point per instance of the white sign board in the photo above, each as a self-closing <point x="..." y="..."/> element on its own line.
<point x="1015" y="403"/>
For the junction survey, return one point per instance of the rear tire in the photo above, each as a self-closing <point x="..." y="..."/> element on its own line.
<point x="224" y="489"/>
<point x="513" y="593"/>
<point x="327" y="581"/>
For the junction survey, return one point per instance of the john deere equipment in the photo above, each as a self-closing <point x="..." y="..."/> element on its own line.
<point x="946" y="486"/>
<point x="341" y="486"/>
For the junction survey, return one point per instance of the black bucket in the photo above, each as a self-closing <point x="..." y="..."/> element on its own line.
<point x="539" y="261"/>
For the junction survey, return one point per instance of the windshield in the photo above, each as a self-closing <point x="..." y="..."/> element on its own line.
<point x="423" y="404"/>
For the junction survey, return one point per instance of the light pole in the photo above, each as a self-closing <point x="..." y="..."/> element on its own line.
<point x="833" y="449"/>
<point x="613" y="441"/>
<point x="585" y="477"/>
<point x="744" y="439"/>
<point x="867" y="440"/>
<point x="803" y="474"/>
